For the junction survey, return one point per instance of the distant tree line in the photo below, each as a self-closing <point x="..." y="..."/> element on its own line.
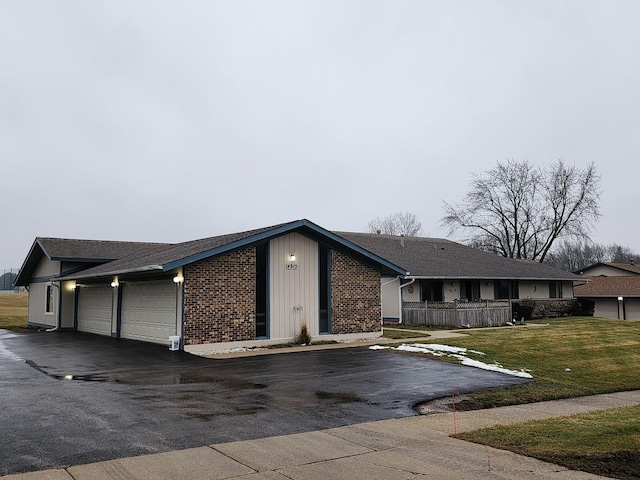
<point x="572" y="256"/>
<point x="6" y="280"/>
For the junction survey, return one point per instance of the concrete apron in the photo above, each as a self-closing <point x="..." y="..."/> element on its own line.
<point x="413" y="447"/>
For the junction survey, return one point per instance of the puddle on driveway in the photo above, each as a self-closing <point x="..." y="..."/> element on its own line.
<point x="338" y="397"/>
<point x="155" y="378"/>
<point x="84" y="378"/>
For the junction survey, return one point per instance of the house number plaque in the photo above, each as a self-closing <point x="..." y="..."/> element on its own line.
<point x="292" y="266"/>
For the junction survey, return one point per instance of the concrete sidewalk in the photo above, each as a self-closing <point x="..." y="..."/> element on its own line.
<point x="407" y="448"/>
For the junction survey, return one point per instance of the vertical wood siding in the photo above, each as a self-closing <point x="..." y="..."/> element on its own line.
<point x="293" y="293"/>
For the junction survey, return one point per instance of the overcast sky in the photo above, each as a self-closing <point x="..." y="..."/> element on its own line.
<point x="171" y="121"/>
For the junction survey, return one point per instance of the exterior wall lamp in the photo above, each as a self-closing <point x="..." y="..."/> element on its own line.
<point x="178" y="279"/>
<point x="115" y="283"/>
<point x="292" y="257"/>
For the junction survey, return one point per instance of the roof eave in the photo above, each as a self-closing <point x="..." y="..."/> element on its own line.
<point x="465" y="277"/>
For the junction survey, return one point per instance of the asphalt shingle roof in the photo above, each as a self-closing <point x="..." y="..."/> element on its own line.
<point x="623" y="286"/>
<point x="421" y="257"/>
<point x="74" y="250"/>
<point x="91" y="250"/>
<point x="440" y="258"/>
<point x="156" y="258"/>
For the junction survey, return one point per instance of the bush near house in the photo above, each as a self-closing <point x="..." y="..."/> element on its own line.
<point x="530" y="309"/>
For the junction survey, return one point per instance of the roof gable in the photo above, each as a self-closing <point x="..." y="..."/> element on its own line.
<point x="622" y="268"/>
<point x="74" y="250"/>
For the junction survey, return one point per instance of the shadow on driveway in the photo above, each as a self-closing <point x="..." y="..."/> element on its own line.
<point x="74" y="398"/>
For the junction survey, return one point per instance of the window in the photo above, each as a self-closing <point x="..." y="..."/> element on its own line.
<point x="555" y="289"/>
<point x="262" y="289"/>
<point x="50" y="299"/>
<point x="432" y="291"/>
<point x="505" y="289"/>
<point x="470" y="291"/>
<point x="324" y="255"/>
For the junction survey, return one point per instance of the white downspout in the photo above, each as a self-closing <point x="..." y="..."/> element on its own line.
<point x="402" y="285"/>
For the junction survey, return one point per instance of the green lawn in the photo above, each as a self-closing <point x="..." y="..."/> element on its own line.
<point x="567" y="357"/>
<point x="602" y="356"/>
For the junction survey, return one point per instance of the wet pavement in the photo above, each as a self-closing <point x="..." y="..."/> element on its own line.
<point x="73" y="398"/>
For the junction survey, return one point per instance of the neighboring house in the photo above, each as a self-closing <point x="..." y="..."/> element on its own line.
<point x="244" y="289"/>
<point x="613" y="287"/>
<point x="614" y="297"/>
<point x="611" y="269"/>
<point x="443" y="271"/>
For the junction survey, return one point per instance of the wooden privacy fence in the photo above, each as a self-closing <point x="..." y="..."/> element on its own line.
<point x="456" y="314"/>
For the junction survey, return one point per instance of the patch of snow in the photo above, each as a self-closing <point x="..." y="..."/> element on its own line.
<point x="458" y="353"/>
<point x="438" y="348"/>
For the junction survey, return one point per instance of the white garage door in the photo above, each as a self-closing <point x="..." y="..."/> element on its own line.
<point x="95" y="309"/>
<point x="148" y="311"/>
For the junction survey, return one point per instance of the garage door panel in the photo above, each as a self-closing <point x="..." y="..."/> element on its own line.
<point x="149" y="311"/>
<point x="95" y="309"/>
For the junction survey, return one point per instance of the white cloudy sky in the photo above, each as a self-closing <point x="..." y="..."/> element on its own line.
<point x="169" y="121"/>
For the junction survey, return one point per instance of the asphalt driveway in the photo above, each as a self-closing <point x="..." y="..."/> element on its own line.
<point x="73" y="398"/>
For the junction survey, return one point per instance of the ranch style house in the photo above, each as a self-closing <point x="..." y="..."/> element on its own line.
<point x="262" y="286"/>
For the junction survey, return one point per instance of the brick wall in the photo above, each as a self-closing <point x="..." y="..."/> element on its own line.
<point x="219" y="298"/>
<point x="355" y="296"/>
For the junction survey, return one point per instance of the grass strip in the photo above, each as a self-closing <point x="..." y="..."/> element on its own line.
<point x="605" y="442"/>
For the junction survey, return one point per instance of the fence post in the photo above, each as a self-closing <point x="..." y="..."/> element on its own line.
<point x="455" y="313"/>
<point x="488" y="314"/>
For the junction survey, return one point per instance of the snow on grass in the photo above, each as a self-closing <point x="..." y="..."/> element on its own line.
<point x="458" y="353"/>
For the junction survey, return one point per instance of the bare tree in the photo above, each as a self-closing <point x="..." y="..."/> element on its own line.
<point x="398" y="223"/>
<point x="518" y="210"/>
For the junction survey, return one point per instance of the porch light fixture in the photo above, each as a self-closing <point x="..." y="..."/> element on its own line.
<point x="292" y="258"/>
<point x="178" y="279"/>
<point x="620" y="299"/>
<point x="114" y="284"/>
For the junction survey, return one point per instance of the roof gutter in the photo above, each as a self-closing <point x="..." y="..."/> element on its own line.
<point x="147" y="268"/>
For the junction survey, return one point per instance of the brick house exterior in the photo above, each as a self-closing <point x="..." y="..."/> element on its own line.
<point x="355" y="299"/>
<point x="244" y="289"/>
<point x="219" y="298"/>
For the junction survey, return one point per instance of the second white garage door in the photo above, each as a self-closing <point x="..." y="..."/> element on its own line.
<point x="149" y="311"/>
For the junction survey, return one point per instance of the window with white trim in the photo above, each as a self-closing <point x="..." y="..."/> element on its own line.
<point x="50" y="300"/>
